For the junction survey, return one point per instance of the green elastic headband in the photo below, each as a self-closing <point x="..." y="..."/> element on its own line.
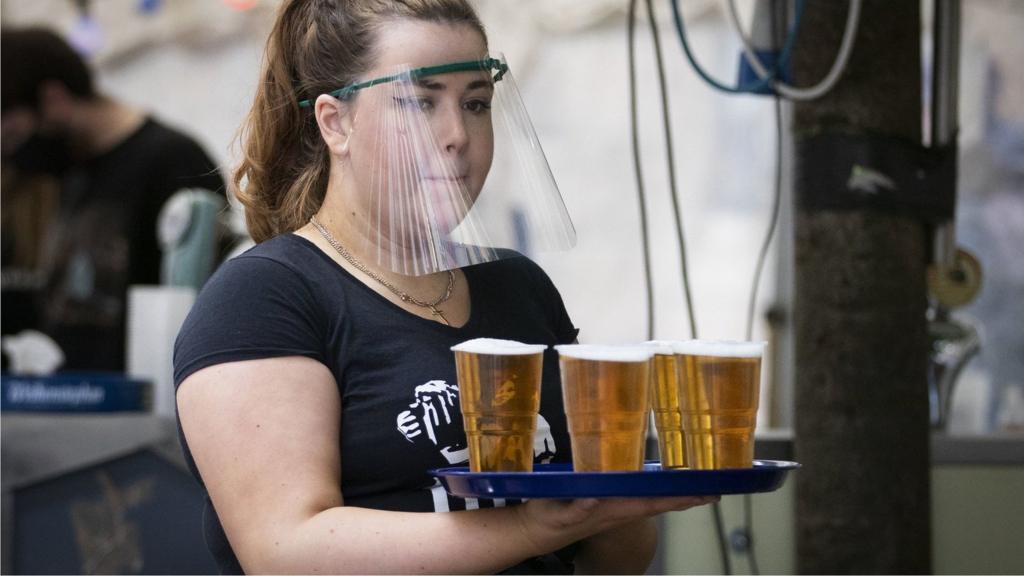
<point x="498" y="66"/>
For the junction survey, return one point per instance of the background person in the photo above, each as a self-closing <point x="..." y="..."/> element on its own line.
<point x="84" y="180"/>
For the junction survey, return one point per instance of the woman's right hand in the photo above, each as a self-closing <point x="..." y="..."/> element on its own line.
<point x="544" y="521"/>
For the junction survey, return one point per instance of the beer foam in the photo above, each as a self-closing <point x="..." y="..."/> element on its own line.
<point x="498" y="347"/>
<point x="605" y="353"/>
<point x="663" y="347"/>
<point x="721" y="348"/>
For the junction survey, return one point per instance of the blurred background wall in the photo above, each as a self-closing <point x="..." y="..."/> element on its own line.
<point x="194" y="64"/>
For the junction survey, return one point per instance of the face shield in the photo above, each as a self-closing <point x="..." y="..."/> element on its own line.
<point x="446" y="170"/>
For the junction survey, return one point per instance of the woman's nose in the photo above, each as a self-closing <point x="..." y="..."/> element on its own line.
<point x="451" y="131"/>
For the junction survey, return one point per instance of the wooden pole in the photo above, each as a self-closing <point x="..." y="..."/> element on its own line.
<point x="862" y="415"/>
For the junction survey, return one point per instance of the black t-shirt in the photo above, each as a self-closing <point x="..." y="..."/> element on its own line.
<point x="105" y="239"/>
<point x="394" y="371"/>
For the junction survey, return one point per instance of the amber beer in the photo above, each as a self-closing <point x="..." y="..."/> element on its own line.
<point x="606" y="391"/>
<point x="665" y="401"/>
<point x="499" y="389"/>
<point x="719" y="390"/>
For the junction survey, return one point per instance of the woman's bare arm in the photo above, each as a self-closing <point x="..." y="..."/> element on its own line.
<point x="264" y="435"/>
<point x="626" y="549"/>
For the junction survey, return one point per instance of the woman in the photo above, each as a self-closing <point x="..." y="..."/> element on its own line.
<point x="315" y="385"/>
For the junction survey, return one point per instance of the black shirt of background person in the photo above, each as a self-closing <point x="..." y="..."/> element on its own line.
<point x="104" y="239"/>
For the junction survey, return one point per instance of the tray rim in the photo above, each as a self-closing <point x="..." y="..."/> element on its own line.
<point x="759" y="465"/>
<point x="765" y="476"/>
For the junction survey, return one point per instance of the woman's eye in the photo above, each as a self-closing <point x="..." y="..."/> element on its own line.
<point x="477" y="106"/>
<point x="421" y="104"/>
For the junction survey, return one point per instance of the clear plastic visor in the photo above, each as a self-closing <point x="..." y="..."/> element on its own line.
<point x="444" y="170"/>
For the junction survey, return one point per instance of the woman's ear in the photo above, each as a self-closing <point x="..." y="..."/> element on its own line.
<point x="336" y="121"/>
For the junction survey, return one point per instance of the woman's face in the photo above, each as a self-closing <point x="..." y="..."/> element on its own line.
<point x="420" y="150"/>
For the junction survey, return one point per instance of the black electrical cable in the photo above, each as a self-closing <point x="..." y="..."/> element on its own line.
<point x="748" y="521"/>
<point x="670" y="156"/>
<point x="748" y="513"/>
<point x="681" y="239"/>
<point x="776" y="194"/>
<point x="776" y="200"/>
<point x="641" y="196"/>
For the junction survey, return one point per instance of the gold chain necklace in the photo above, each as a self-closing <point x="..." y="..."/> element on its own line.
<point x="402" y="295"/>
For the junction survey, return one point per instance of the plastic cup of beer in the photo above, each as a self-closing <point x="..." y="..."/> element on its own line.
<point x="499" y="389"/>
<point x="719" y="387"/>
<point x="606" y="392"/>
<point x="668" y="420"/>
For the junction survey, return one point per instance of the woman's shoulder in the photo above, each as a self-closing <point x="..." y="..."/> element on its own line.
<point x="516" y="282"/>
<point x="264" y="302"/>
<point x="513" y="270"/>
<point x="285" y="255"/>
<point x="511" y="266"/>
<point x="288" y="249"/>
<point x="285" y="264"/>
<point x="507" y="261"/>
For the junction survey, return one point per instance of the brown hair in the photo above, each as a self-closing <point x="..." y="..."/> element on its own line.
<point x="316" y="46"/>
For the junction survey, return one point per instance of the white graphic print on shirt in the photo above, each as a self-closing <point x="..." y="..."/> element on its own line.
<point x="433" y="418"/>
<point x="543" y="442"/>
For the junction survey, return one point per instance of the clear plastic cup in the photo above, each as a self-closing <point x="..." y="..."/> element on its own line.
<point x="719" y="389"/>
<point x="606" y="392"/>
<point x="499" y="389"/>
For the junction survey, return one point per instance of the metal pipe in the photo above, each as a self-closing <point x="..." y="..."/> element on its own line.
<point x="944" y="111"/>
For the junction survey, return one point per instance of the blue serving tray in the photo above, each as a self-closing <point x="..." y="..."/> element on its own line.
<point x="559" y="481"/>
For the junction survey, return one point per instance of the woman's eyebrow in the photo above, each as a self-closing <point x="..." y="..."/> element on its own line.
<point x="480" y="84"/>
<point x="431" y="84"/>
